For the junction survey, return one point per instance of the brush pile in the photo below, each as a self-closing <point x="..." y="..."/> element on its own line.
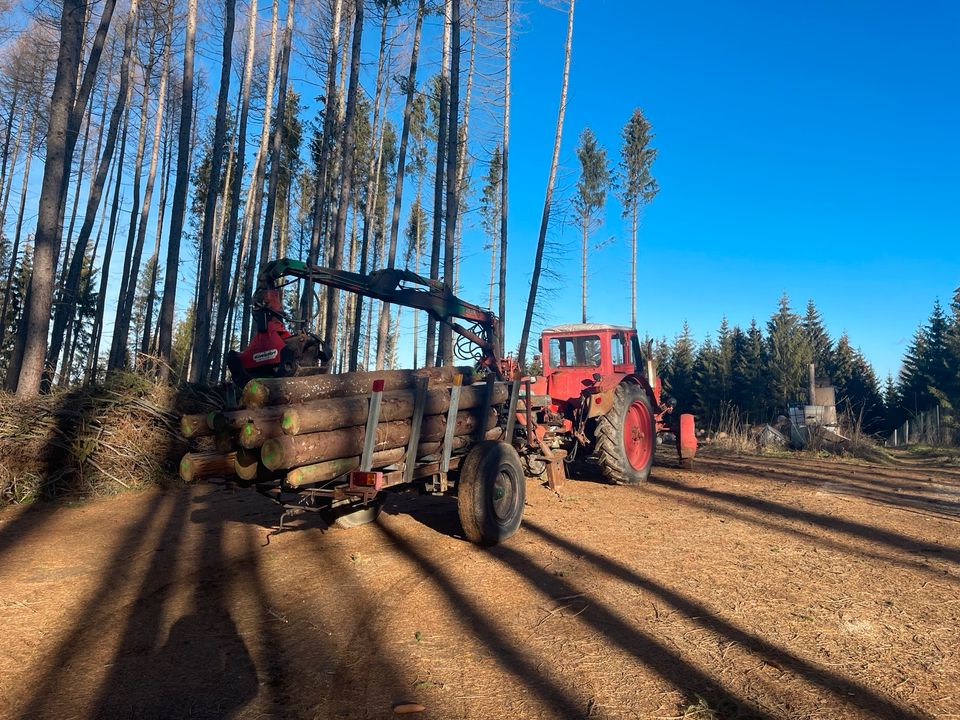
<point x="94" y="439"/>
<point x="301" y="431"/>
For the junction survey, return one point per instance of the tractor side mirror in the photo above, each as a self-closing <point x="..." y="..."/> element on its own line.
<point x="540" y="344"/>
<point x="597" y="377"/>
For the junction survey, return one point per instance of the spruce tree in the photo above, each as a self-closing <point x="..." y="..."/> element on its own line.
<point x="589" y="200"/>
<point x="679" y="377"/>
<point x="818" y="338"/>
<point x="789" y="356"/>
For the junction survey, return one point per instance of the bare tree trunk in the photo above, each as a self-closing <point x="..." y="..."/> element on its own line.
<point x="320" y="182"/>
<point x="65" y="310"/>
<point x="13" y="165"/>
<point x="504" y="204"/>
<point x="410" y="88"/>
<point x="438" y="184"/>
<point x="145" y="342"/>
<point x="121" y="324"/>
<point x="226" y="300"/>
<point x="200" y="362"/>
<point x="633" y="268"/>
<point x="583" y="273"/>
<point x="15" y="250"/>
<point x="97" y="332"/>
<point x="373" y="184"/>
<point x="279" y="134"/>
<point x="180" y="188"/>
<point x="46" y="240"/>
<point x="545" y="218"/>
<point x="346" y="184"/>
<point x="255" y="191"/>
<point x="6" y="180"/>
<point x="462" y="153"/>
<point x="445" y="349"/>
<point x="76" y="194"/>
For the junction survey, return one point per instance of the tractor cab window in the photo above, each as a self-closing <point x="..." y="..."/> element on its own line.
<point x="575" y="351"/>
<point x="619" y="350"/>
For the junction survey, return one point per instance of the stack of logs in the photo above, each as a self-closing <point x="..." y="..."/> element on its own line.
<point x="306" y="430"/>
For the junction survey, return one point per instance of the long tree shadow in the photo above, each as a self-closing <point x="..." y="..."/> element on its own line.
<point x="830" y="522"/>
<point x="759" y="520"/>
<point x="663" y="661"/>
<point x="203" y="669"/>
<point x="875" y="490"/>
<point x="848" y="691"/>
<point x="97" y="610"/>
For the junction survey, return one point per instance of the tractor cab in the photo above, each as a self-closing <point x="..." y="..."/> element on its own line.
<point x="586" y="356"/>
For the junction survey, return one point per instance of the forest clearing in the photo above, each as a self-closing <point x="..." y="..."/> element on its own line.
<point x="750" y="587"/>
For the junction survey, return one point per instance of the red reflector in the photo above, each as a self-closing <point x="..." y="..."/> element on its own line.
<point x="378" y="385"/>
<point x="367" y="479"/>
<point x="597" y="400"/>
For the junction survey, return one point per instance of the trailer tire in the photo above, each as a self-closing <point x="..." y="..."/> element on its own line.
<point x="361" y="516"/>
<point x="491" y="492"/>
<point x="626" y="436"/>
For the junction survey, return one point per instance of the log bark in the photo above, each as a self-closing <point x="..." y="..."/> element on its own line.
<point x="292" y="451"/>
<point x="262" y="392"/>
<point x="396" y="405"/>
<point x="198" y="465"/>
<point x="196" y="425"/>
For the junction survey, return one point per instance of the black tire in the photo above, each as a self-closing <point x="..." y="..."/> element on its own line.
<point x="361" y="516"/>
<point x="625" y="437"/>
<point x="491" y="492"/>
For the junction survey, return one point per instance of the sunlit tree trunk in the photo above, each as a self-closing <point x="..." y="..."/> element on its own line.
<point x="180" y="188"/>
<point x="504" y="205"/>
<point x="545" y="217"/>
<point x="438" y="184"/>
<point x="255" y="191"/>
<point x="346" y="183"/>
<point x="200" y="362"/>
<point x="410" y="88"/>
<point x="445" y="349"/>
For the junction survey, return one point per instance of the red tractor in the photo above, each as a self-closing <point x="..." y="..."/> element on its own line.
<point x="599" y="403"/>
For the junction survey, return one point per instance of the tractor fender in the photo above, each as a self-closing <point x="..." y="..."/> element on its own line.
<point x="599" y="403"/>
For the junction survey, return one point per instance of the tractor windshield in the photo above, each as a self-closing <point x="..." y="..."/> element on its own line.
<point x="583" y="351"/>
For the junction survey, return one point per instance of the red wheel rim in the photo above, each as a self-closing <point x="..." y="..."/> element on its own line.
<point x="637" y="437"/>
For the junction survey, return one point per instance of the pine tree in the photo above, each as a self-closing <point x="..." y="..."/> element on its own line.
<point x="818" y="338"/>
<point x="589" y="200"/>
<point x="789" y="355"/>
<point x="638" y="187"/>
<point x="490" y="198"/>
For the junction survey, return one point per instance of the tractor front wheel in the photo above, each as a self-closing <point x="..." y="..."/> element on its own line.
<point x="491" y="492"/>
<point x="626" y="436"/>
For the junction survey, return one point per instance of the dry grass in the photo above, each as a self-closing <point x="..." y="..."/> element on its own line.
<point x="93" y="440"/>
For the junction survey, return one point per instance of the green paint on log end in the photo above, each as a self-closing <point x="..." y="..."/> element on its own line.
<point x="212" y="419"/>
<point x="270" y="455"/>
<point x="186" y="427"/>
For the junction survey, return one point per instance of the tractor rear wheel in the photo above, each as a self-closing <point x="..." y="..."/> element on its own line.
<point x="491" y="492"/>
<point x="626" y="437"/>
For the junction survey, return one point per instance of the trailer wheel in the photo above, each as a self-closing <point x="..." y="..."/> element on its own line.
<point x="361" y="516"/>
<point x="491" y="492"/>
<point x="626" y="436"/>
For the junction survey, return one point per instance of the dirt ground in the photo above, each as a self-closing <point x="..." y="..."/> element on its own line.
<point x="780" y="588"/>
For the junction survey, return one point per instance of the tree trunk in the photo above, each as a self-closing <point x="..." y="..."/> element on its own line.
<point x="445" y="350"/>
<point x="438" y="183"/>
<point x="200" y="361"/>
<point x="462" y="152"/>
<point x="279" y="134"/>
<point x="121" y="324"/>
<point x="633" y="268"/>
<point x="15" y="251"/>
<point x="398" y="184"/>
<point x="255" y="191"/>
<point x="346" y="184"/>
<point x="320" y="181"/>
<point x="226" y="299"/>
<point x="5" y="180"/>
<point x="46" y="240"/>
<point x="146" y="340"/>
<point x="64" y="311"/>
<point x="504" y="204"/>
<point x="583" y="272"/>
<point x="373" y="184"/>
<point x="76" y="195"/>
<point x="111" y="237"/>
<point x="180" y="188"/>
<point x="545" y="217"/>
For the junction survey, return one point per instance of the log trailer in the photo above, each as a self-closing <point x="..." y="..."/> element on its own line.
<point x="337" y="443"/>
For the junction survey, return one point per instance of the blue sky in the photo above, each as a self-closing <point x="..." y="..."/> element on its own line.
<point x="803" y="148"/>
